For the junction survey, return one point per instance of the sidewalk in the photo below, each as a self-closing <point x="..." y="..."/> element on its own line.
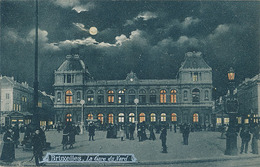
<point x="203" y="147"/>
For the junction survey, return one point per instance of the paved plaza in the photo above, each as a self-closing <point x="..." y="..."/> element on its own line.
<point x="203" y="146"/>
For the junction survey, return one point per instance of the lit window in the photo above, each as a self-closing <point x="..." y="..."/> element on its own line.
<point x="39" y="104"/>
<point x="219" y="120"/>
<point x="163" y="96"/>
<point x="163" y="117"/>
<point x="110" y="118"/>
<point x="141" y="117"/>
<point x="121" y="117"/>
<point x="195" y="77"/>
<point x="121" y="96"/>
<point x="101" y="118"/>
<point x="153" y="117"/>
<point x="173" y="96"/>
<point x="174" y="117"/>
<point x="226" y="120"/>
<point x="68" y="118"/>
<point x="90" y="99"/>
<point x="90" y="116"/>
<point x="132" y="117"/>
<point x="68" y="97"/>
<point x="195" y="117"/>
<point x="110" y="97"/>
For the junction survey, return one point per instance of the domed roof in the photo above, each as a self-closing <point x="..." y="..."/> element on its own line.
<point x="73" y="63"/>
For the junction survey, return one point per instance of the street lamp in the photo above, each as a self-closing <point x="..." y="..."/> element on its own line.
<point x="82" y="102"/>
<point x="231" y="109"/>
<point x="136" y="101"/>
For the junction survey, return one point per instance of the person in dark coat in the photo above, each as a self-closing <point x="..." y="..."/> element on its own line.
<point x="163" y="139"/>
<point x="152" y="135"/>
<point x="72" y="134"/>
<point x="38" y="145"/>
<point x="91" y="131"/>
<point x="16" y="135"/>
<point x="131" y="130"/>
<point x="255" y="138"/>
<point x="8" y="152"/>
<point x="65" y="137"/>
<point x="245" y="136"/>
<point x="175" y="128"/>
<point x="185" y="134"/>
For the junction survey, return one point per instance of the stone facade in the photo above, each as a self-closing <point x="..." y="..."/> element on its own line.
<point x="186" y="99"/>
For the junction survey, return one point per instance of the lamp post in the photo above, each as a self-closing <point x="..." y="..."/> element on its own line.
<point x="136" y="101"/>
<point x="231" y="109"/>
<point x="82" y="102"/>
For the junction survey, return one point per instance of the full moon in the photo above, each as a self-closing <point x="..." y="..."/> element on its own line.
<point x="93" y="30"/>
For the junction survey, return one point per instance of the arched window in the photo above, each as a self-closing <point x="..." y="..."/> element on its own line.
<point x="174" y="117"/>
<point x="90" y="116"/>
<point x="195" y="117"/>
<point x="196" y="96"/>
<point x="163" y="96"/>
<point x="110" y="118"/>
<point x="58" y="97"/>
<point x="100" y="97"/>
<point x="173" y="96"/>
<point x="153" y="117"/>
<point x="132" y="117"/>
<point x="206" y="95"/>
<point x="68" y="97"/>
<point x="121" y="96"/>
<point x="110" y="97"/>
<point x="185" y="95"/>
<point x="101" y="118"/>
<point x="141" y="117"/>
<point x="68" y="118"/>
<point x="163" y="117"/>
<point x="152" y="96"/>
<point x="121" y="117"/>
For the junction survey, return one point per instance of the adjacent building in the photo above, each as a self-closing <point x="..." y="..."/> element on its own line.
<point x="17" y="103"/>
<point x="185" y="99"/>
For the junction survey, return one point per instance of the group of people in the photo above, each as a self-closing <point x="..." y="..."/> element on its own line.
<point x="69" y="133"/>
<point x="245" y="135"/>
<point x="11" y="141"/>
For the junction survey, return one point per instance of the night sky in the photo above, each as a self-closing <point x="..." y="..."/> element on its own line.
<point x="149" y="38"/>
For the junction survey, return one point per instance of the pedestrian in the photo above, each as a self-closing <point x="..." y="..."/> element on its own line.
<point x="72" y="134"/>
<point x="163" y="139"/>
<point x="121" y="133"/>
<point x="175" y="128"/>
<point x="185" y="134"/>
<point x="245" y="136"/>
<point x="223" y="132"/>
<point x="139" y="134"/>
<point x="131" y="130"/>
<point x="152" y="135"/>
<point x="16" y="135"/>
<point x="126" y="131"/>
<point x="8" y="151"/>
<point x="65" y="137"/>
<point x="255" y="138"/>
<point x="91" y="131"/>
<point x="38" y="146"/>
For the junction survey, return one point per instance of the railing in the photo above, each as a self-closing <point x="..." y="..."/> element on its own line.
<point x="207" y="104"/>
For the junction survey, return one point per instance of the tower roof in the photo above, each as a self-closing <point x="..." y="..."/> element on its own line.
<point x="194" y="60"/>
<point x="73" y="63"/>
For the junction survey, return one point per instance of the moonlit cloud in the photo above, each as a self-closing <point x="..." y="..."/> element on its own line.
<point x="146" y="16"/>
<point x="80" y="26"/>
<point x="220" y="30"/>
<point x="84" y="8"/>
<point x="184" y="40"/>
<point x="189" y="21"/>
<point x="66" y="3"/>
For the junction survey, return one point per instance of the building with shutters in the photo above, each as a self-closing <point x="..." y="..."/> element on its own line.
<point x="185" y="99"/>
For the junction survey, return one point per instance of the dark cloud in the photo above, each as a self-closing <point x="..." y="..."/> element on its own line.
<point x="150" y="38"/>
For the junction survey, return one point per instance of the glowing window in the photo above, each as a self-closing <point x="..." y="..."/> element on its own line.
<point x="173" y="96"/>
<point x="90" y="116"/>
<point x="195" y="77"/>
<point x="226" y="120"/>
<point x="163" y="117"/>
<point x="121" y="117"/>
<point x="219" y="120"/>
<point x="195" y="117"/>
<point x="69" y="118"/>
<point x="132" y="117"/>
<point x="174" y="117"/>
<point x="68" y="97"/>
<point x="110" y="97"/>
<point x="110" y="118"/>
<point x="163" y="96"/>
<point x="101" y="118"/>
<point x="153" y="117"/>
<point x="141" y="117"/>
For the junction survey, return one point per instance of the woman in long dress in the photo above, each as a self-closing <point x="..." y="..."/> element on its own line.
<point x="8" y="152"/>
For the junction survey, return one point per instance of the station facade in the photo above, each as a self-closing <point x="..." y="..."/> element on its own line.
<point x="185" y="99"/>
